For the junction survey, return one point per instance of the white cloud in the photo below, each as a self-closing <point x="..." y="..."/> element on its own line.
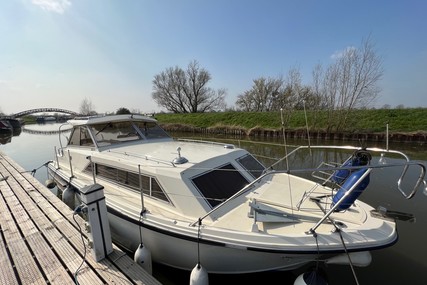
<point x="340" y="53"/>
<point x="58" y="6"/>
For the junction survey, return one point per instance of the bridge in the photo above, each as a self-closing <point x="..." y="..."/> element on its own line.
<point x="43" y="110"/>
<point x="38" y="132"/>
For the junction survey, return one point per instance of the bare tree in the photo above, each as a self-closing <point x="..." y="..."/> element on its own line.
<point x="262" y="96"/>
<point x="293" y="81"/>
<point x="273" y="94"/>
<point x="246" y="101"/>
<point x="351" y="82"/>
<point x="86" y="107"/>
<point x="186" y="91"/>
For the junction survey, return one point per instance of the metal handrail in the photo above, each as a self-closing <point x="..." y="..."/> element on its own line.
<point x="417" y="184"/>
<point x="143" y="156"/>
<point x="341" y="200"/>
<point x="370" y="167"/>
<point x="379" y="150"/>
<point x="206" y="142"/>
<point x="59" y="134"/>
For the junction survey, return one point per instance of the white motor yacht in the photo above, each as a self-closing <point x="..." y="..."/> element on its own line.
<point x="216" y="204"/>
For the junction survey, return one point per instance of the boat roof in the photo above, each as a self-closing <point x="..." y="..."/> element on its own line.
<point x="110" y="118"/>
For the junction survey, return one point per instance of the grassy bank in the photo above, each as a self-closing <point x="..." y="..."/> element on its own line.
<point x="366" y="121"/>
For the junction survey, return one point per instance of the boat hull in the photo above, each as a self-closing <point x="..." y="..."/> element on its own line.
<point x="175" y="244"/>
<point x="180" y="251"/>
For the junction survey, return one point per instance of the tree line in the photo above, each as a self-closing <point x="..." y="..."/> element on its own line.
<point x="350" y="82"/>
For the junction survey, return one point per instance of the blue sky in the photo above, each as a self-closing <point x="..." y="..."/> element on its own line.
<point x="55" y="53"/>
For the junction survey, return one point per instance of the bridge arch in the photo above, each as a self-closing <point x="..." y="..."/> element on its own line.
<point x="41" y="110"/>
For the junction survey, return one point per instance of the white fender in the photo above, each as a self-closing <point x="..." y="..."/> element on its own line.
<point x="143" y="257"/>
<point x="310" y="278"/>
<point x="199" y="276"/>
<point x="50" y="183"/>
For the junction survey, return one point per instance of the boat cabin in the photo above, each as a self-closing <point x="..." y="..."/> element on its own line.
<point x="97" y="132"/>
<point x="117" y="144"/>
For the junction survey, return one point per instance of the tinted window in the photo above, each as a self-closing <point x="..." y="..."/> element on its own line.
<point x="219" y="184"/>
<point x="252" y="165"/>
<point x="151" y="130"/>
<point x="150" y="186"/>
<point x="113" y="133"/>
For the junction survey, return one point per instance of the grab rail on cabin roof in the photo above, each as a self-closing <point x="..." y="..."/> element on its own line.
<point x="146" y="157"/>
<point x="207" y="142"/>
<point x="143" y="156"/>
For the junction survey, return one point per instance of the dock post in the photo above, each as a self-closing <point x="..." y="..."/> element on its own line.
<point x="99" y="229"/>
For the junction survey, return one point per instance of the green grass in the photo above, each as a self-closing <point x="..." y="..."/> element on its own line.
<point x="372" y="121"/>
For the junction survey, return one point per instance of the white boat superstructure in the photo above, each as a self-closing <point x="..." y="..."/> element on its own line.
<point x="213" y="203"/>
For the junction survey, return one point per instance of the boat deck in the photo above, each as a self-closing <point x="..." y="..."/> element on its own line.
<point x="41" y="240"/>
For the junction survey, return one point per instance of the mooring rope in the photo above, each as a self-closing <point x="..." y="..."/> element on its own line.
<point x="343" y="243"/>
<point x="33" y="172"/>
<point x="198" y="243"/>
<point x="348" y="256"/>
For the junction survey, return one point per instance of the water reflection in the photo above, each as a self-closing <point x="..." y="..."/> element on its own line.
<point x="5" y="138"/>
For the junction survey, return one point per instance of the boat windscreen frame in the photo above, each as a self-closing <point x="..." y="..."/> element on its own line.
<point x="112" y="133"/>
<point x="80" y="136"/>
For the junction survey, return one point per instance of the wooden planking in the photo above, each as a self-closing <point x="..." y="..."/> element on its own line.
<point x="76" y="239"/>
<point x="7" y="274"/>
<point x="20" y="255"/>
<point x="20" y="206"/>
<point x="45" y="222"/>
<point x="53" y="269"/>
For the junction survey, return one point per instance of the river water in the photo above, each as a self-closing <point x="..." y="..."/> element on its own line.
<point x="403" y="263"/>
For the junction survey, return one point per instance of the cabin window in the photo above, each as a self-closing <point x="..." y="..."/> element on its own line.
<point x="219" y="184"/>
<point x="150" y="185"/>
<point x="151" y="130"/>
<point x="80" y="136"/>
<point x="156" y="190"/>
<point x="146" y="185"/>
<point x="114" y="133"/>
<point x="252" y="165"/>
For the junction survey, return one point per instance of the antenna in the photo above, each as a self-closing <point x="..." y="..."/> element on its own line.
<point x="284" y="138"/>
<point x="306" y="124"/>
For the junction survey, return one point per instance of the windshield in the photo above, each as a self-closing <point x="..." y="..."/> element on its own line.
<point x="114" y="132"/>
<point x="151" y="130"/>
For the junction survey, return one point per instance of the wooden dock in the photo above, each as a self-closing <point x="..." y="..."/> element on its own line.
<point x="41" y="241"/>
